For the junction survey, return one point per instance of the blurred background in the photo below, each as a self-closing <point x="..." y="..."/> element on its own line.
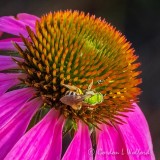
<point x="138" y="20"/>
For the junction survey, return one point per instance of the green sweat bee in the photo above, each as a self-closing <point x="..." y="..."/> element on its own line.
<point x="76" y="98"/>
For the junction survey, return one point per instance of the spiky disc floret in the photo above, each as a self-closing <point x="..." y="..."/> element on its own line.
<point x="74" y="48"/>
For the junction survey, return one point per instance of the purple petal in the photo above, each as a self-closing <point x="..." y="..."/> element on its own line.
<point x="11" y="102"/>
<point x="56" y="145"/>
<point x="10" y="76"/>
<point x="13" y="26"/>
<point x="110" y="145"/>
<point x="7" y="62"/>
<point x="28" y="19"/>
<point x="136" y="136"/>
<point x="38" y="141"/>
<point x="130" y="141"/>
<point x="7" y="44"/>
<point x="80" y="147"/>
<point x="26" y="16"/>
<point x="8" y="80"/>
<point x="17" y="126"/>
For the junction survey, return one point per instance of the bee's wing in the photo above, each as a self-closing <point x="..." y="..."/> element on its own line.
<point x="71" y="99"/>
<point x="86" y="96"/>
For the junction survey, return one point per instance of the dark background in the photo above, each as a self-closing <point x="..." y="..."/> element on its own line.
<point x="139" y="20"/>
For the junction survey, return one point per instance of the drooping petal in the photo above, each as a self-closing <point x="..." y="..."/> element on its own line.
<point x="26" y="16"/>
<point x="12" y="102"/>
<point x="28" y="19"/>
<point x="56" y="145"/>
<point x="37" y="142"/>
<point x="7" y="62"/>
<point x="130" y="141"/>
<point x="110" y="145"/>
<point x="11" y="25"/>
<point x="16" y="127"/>
<point x="136" y="136"/>
<point x="80" y="147"/>
<point x="8" y="80"/>
<point x="7" y="44"/>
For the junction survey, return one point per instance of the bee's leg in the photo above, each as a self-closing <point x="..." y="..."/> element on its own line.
<point x="72" y="88"/>
<point x="79" y="91"/>
<point x="77" y="106"/>
<point x="80" y="106"/>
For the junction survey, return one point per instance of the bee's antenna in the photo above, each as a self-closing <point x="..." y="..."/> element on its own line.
<point x="90" y="85"/>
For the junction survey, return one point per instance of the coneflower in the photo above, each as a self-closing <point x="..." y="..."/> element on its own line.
<point x="69" y="73"/>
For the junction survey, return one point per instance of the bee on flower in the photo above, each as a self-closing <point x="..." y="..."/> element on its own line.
<point x="76" y="98"/>
<point x="69" y="72"/>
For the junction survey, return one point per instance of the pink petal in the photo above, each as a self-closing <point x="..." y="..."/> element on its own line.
<point x="28" y="19"/>
<point x="26" y="16"/>
<point x="110" y="145"/>
<point x="10" y="76"/>
<point x="56" y="145"/>
<point x="130" y="141"/>
<point x="13" y="26"/>
<point x="136" y="136"/>
<point x="11" y="102"/>
<point x="37" y="143"/>
<point x="8" y="80"/>
<point x="7" y="44"/>
<point x="17" y="126"/>
<point x="7" y="62"/>
<point x="80" y="147"/>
